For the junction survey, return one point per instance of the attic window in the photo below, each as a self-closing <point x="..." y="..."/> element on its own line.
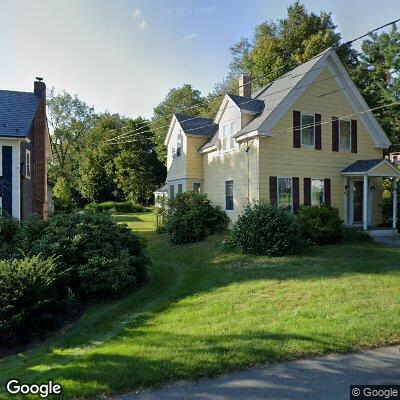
<point x="307" y="130"/>
<point x="344" y="135"/>
<point x="179" y="142"/>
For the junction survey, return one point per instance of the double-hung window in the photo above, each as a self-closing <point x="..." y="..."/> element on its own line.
<point x="196" y="187"/>
<point x="307" y="130"/>
<point x="179" y="142"/>
<point x="225" y="138"/>
<point x="179" y="188"/>
<point x="28" y="164"/>
<point x="229" y="195"/>
<point x="232" y="133"/>
<point x="171" y="191"/>
<point x="284" y="195"/>
<point x="317" y="192"/>
<point x="344" y="135"/>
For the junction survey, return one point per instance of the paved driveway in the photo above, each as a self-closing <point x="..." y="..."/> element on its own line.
<point x="322" y="378"/>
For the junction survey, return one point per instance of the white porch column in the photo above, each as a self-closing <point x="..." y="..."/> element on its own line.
<point x="395" y="203"/>
<point x="365" y="203"/>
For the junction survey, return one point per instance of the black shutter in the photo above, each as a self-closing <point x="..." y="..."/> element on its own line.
<point x="354" y="136"/>
<point x="307" y="191"/>
<point x="327" y="191"/>
<point x="273" y="190"/>
<point x="296" y="194"/>
<point x="317" y="130"/>
<point x="335" y="134"/>
<point x="296" y="129"/>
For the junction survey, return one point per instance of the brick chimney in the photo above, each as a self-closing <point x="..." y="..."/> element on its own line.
<point x="40" y="205"/>
<point x="245" y="86"/>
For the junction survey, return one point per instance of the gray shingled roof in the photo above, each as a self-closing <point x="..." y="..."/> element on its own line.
<point x="211" y="142"/>
<point x="197" y="125"/>
<point x="17" y="110"/>
<point x="362" y="165"/>
<point x="245" y="103"/>
<point x="162" y="189"/>
<point x="276" y="91"/>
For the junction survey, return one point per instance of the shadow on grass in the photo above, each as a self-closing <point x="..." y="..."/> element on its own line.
<point x="114" y="347"/>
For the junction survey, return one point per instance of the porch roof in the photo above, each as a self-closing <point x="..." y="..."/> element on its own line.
<point x="378" y="167"/>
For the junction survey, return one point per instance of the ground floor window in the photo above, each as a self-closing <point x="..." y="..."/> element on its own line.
<point x="171" y="191"/>
<point x="196" y="187"/>
<point x="317" y="192"/>
<point x="285" y="192"/>
<point x="179" y="188"/>
<point x="229" y="195"/>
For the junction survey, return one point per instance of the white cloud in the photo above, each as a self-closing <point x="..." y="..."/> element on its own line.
<point x="143" y="24"/>
<point x="136" y="12"/>
<point x="191" y="36"/>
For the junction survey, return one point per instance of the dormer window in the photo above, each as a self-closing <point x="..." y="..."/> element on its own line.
<point x="227" y="137"/>
<point x="307" y="130"/>
<point x="179" y="142"/>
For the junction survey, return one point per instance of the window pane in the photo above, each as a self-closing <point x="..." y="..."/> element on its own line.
<point x="285" y="192"/>
<point x="232" y="133"/>
<point x="344" y="137"/>
<point x="317" y="192"/>
<point x="229" y="195"/>
<point x="307" y="130"/>
<point x="179" y="188"/>
<point x="172" y="191"/>
<point x="196" y="187"/>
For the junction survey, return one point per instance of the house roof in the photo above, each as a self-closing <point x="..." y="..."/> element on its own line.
<point x="17" y="110"/>
<point x="276" y="91"/>
<point x="248" y="104"/>
<point x="162" y="189"/>
<point x="362" y="166"/>
<point x="210" y="142"/>
<point x="196" y="125"/>
<point x="379" y="167"/>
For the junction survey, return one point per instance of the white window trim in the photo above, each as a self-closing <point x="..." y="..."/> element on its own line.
<point x="340" y="147"/>
<point x="307" y="146"/>
<point x="323" y="189"/>
<point x="291" y="190"/>
<point x="28" y="176"/>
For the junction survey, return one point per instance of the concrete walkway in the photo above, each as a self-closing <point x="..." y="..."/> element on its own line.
<point x="321" y="378"/>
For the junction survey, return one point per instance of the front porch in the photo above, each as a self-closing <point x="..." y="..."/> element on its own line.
<point x="359" y="179"/>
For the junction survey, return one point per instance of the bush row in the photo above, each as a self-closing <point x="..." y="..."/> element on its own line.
<point x="81" y="256"/>
<point x="127" y="206"/>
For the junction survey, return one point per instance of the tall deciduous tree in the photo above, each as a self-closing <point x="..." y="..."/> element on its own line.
<point x="378" y="77"/>
<point x="185" y="100"/>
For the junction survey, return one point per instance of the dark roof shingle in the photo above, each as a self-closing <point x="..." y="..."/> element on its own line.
<point x="17" y="110"/>
<point x="197" y="125"/>
<point x="362" y="165"/>
<point x="245" y="103"/>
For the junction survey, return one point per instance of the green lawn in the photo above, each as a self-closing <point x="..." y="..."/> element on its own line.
<point x="206" y="311"/>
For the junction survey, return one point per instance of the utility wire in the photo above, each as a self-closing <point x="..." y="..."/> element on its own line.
<point x="275" y="70"/>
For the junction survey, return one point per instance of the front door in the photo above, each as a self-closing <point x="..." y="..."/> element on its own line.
<point x="358" y="201"/>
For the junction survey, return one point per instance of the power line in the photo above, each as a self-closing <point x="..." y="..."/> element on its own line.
<point x="275" y="70"/>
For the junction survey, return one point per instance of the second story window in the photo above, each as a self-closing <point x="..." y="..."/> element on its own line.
<point x="179" y="142"/>
<point x="307" y="130"/>
<point x="179" y="188"/>
<point x="344" y="135"/>
<point x="225" y="138"/>
<point x="28" y="164"/>
<point x="232" y="133"/>
<point x="171" y="191"/>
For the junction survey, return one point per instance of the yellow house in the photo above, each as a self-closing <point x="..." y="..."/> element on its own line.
<point x="306" y="138"/>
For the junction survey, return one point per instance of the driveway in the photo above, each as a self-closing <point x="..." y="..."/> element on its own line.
<point x="322" y="378"/>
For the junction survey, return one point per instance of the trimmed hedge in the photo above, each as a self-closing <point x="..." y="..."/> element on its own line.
<point x="263" y="229"/>
<point x="190" y="217"/>
<point x="116" y="207"/>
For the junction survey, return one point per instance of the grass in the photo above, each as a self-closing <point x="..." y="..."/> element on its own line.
<point x="208" y="311"/>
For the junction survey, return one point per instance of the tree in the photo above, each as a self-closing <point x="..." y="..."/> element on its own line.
<point x="69" y="119"/>
<point x="378" y="78"/>
<point x="185" y="100"/>
<point x="138" y="171"/>
<point x="278" y="47"/>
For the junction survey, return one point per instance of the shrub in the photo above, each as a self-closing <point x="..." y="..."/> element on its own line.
<point x="320" y="224"/>
<point x="96" y="256"/>
<point x="263" y="229"/>
<point x="29" y="299"/>
<point x="191" y="217"/>
<point x="355" y="235"/>
<point x="116" y="207"/>
<point x="100" y="207"/>
<point x="8" y="230"/>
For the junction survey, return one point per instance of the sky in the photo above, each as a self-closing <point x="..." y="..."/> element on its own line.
<point x="125" y="55"/>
